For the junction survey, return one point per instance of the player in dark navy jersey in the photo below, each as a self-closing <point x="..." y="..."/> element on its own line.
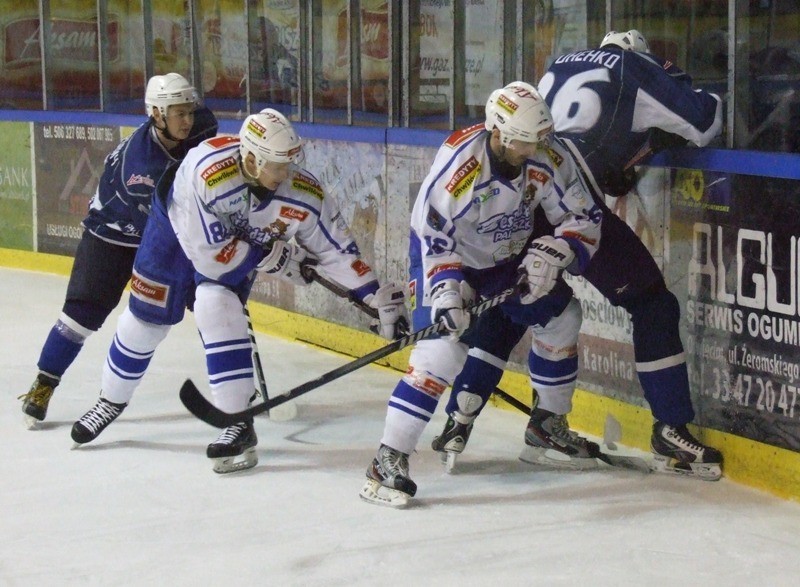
<point x="614" y="107"/>
<point x="114" y="226"/>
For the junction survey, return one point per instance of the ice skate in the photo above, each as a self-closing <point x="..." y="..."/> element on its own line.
<point x="677" y="451"/>
<point x="549" y="441"/>
<point x="35" y="402"/>
<point x="234" y="449"/>
<point x="453" y="439"/>
<point x="93" y="422"/>
<point x="388" y="482"/>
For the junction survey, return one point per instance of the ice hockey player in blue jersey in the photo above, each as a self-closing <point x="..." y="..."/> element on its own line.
<point x="234" y="207"/>
<point x="471" y="229"/>
<point x="114" y="225"/>
<point x="613" y="108"/>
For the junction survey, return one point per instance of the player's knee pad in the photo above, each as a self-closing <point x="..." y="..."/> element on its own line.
<point x="139" y="335"/>
<point x="425" y="382"/>
<point x="84" y="317"/>
<point x="219" y="313"/>
<point x="558" y="339"/>
<point x="476" y="382"/>
<point x="72" y="329"/>
<point x="441" y="357"/>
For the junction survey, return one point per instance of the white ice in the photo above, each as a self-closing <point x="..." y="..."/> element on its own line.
<point x="141" y="505"/>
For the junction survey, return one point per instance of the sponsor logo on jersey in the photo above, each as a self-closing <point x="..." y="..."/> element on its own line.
<point x="536" y="175"/>
<point x="507" y="105"/>
<point x="149" y="291"/>
<point x="412" y="294"/>
<point x="360" y="267"/>
<point x="460" y="136"/>
<point x="293" y="213"/>
<point x="307" y="184"/>
<point x="140" y="180"/>
<point x="446" y="267"/>
<point x="220" y="171"/>
<point x="464" y="177"/>
<point x="226" y="253"/>
<point x="554" y="157"/>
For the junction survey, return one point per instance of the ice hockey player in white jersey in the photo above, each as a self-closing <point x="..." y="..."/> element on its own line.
<point x="471" y="228"/>
<point x="236" y="206"/>
<point x="614" y="107"/>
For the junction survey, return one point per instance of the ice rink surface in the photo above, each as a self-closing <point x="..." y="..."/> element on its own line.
<point x="141" y="505"/>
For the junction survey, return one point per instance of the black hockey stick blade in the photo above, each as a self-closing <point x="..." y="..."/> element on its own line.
<point x="201" y="408"/>
<point x="624" y="462"/>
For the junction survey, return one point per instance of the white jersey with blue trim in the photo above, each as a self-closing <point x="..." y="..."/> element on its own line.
<point x="223" y="223"/>
<point x="608" y="100"/>
<point x="467" y="215"/>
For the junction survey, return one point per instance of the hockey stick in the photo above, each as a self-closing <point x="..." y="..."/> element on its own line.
<point x="282" y="413"/>
<point x="311" y="274"/>
<point x="633" y="463"/>
<point x="198" y="405"/>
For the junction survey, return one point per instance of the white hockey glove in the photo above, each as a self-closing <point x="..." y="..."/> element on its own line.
<point x="285" y="260"/>
<point x="447" y="307"/>
<point x="392" y="321"/>
<point x="546" y="259"/>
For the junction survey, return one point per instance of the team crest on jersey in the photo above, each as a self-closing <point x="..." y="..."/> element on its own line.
<point x="554" y="157"/>
<point x="464" y="177"/>
<point x="435" y="220"/>
<point x="307" y="184"/>
<point x="460" y="136"/>
<point x="227" y="252"/>
<point x="140" y="180"/>
<point x="220" y="172"/>
<point x="276" y="229"/>
<point x="360" y="267"/>
<point x="530" y="193"/>
<point x="149" y="291"/>
<point x="293" y="213"/>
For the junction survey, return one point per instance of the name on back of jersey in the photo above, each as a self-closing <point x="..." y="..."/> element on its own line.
<point x="603" y="58"/>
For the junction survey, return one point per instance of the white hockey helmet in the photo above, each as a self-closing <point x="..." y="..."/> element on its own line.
<point x="519" y="112"/>
<point x="631" y="40"/>
<point x="270" y="137"/>
<point x="168" y="90"/>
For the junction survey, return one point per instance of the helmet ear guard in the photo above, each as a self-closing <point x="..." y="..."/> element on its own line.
<point x="269" y="136"/>
<point x="519" y="112"/>
<point x="631" y="40"/>
<point x="168" y="90"/>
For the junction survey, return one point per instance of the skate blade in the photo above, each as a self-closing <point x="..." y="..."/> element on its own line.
<point x="374" y="492"/>
<point x="537" y="455"/>
<point x="702" y="471"/>
<point x="31" y="423"/>
<point x="247" y="460"/>
<point x="449" y="458"/>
